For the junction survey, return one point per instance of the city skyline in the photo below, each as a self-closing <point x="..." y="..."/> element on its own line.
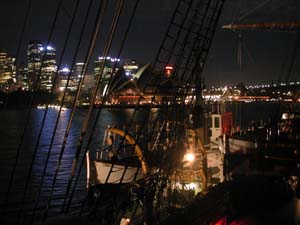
<point x="50" y="66"/>
<point x="265" y="55"/>
<point x="41" y="63"/>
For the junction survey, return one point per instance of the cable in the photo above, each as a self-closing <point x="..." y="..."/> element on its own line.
<point x="145" y="116"/>
<point x="111" y="77"/>
<point x="29" y="111"/>
<point x="21" y="38"/>
<point x="99" y="20"/>
<point x="17" y="59"/>
<point x="253" y="10"/>
<point x="42" y="126"/>
<point x="74" y="102"/>
<point x="59" y="112"/>
<point x="94" y="93"/>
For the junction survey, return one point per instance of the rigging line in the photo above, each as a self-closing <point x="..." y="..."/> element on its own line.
<point x="168" y="30"/>
<point x="133" y="13"/>
<point x="196" y="40"/>
<point x="253" y="10"/>
<point x="188" y="61"/>
<point x="235" y="13"/>
<point x="174" y="100"/>
<point x="21" y="39"/>
<point x="30" y="109"/>
<point x="174" y="128"/>
<point x="155" y="91"/>
<point x="100" y="17"/>
<point x="155" y="122"/>
<point x="113" y="27"/>
<point x="293" y="61"/>
<point x="152" y="101"/>
<point x="43" y="124"/>
<point x="284" y="64"/>
<point x="74" y="102"/>
<point x="179" y="32"/>
<point x="293" y="66"/>
<point x="184" y="46"/>
<point x="96" y="30"/>
<point x="67" y="13"/>
<point x="120" y="144"/>
<point x="6" y="102"/>
<point x="213" y="23"/>
<point x="248" y="51"/>
<point x="59" y="112"/>
<point x="187" y="38"/>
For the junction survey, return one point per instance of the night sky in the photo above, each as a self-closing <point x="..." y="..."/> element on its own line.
<point x="266" y="55"/>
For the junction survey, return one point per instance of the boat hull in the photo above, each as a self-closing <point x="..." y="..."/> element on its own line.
<point x="105" y="172"/>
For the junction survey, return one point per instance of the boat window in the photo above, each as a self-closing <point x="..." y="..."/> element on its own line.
<point x="217" y="122"/>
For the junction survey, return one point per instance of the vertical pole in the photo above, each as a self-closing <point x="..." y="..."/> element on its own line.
<point x="198" y="118"/>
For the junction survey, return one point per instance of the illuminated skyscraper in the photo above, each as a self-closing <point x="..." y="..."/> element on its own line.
<point x="89" y="80"/>
<point x="48" y="67"/>
<point x="7" y="71"/>
<point x="63" y="75"/>
<point x="41" y="65"/>
<point x="130" y="67"/>
<point x="108" y="72"/>
<point x="79" y="69"/>
<point x="22" y="78"/>
<point x="34" y="59"/>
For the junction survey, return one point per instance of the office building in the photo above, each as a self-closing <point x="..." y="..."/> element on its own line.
<point x="42" y="67"/>
<point x="130" y="68"/>
<point x="110" y="67"/>
<point x="7" y="71"/>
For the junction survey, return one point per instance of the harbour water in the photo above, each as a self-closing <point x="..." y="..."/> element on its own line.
<point x="31" y="185"/>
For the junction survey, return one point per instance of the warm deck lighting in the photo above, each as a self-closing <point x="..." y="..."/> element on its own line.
<point x="190" y="157"/>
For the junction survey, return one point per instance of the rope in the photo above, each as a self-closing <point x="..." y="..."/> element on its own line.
<point x="87" y="58"/>
<point x="59" y="112"/>
<point x="253" y="10"/>
<point x="105" y="95"/>
<point x="99" y="21"/>
<point x="42" y="126"/>
<point x="87" y="118"/>
<point x="21" y="38"/>
<point x="28" y="112"/>
<point x="23" y="133"/>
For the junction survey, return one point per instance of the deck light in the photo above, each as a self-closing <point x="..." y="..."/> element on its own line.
<point x="190" y="157"/>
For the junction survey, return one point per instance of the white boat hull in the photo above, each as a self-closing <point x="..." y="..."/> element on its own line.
<point x="239" y="146"/>
<point x="108" y="173"/>
<point x="100" y="172"/>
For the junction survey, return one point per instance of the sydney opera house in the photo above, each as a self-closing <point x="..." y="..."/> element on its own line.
<point x="144" y="84"/>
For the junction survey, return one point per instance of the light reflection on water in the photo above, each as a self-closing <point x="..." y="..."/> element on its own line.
<point x="12" y="123"/>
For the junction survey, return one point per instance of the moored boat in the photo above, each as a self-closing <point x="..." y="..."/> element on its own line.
<point x="112" y="167"/>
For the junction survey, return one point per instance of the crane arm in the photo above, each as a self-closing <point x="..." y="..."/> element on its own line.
<point x="290" y="26"/>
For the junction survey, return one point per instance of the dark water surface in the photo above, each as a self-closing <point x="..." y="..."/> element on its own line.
<point x="32" y="179"/>
<point x="29" y="194"/>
